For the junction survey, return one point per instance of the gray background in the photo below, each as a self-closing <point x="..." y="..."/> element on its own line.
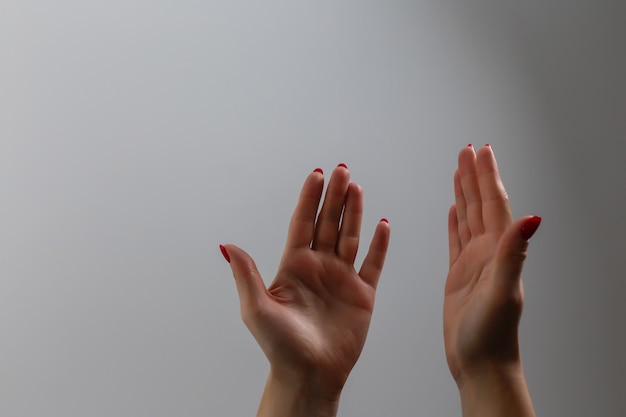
<point x="135" y="136"/>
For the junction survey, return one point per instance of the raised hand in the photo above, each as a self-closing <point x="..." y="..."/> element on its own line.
<point x="484" y="293"/>
<point x="312" y="321"/>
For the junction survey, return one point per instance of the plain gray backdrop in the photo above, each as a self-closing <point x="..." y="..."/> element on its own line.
<point x="136" y="136"/>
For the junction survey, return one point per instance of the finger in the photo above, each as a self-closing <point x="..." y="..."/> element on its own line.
<point x="495" y="202"/>
<point x="250" y="285"/>
<point x="348" y="243"/>
<point x="375" y="258"/>
<point x="471" y="190"/>
<point x="461" y="211"/>
<point x="511" y="251"/>
<point x="454" y="241"/>
<point x="302" y="224"/>
<point x="327" y="225"/>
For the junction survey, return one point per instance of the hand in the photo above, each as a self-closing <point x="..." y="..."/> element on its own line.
<point x="312" y="321"/>
<point x="483" y="293"/>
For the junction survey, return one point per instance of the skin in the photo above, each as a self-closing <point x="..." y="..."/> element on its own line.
<point x="312" y="321"/>
<point x="484" y="293"/>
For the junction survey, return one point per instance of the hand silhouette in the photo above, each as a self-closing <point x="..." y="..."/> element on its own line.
<point x="484" y="293"/>
<point x="312" y="321"/>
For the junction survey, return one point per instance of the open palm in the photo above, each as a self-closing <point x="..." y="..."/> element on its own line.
<point x="483" y="293"/>
<point x="314" y="317"/>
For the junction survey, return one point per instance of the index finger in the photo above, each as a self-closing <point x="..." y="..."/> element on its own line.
<point x="302" y="224"/>
<point x="495" y="201"/>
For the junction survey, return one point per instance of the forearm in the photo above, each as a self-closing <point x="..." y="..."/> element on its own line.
<point x="296" y="398"/>
<point x="496" y="392"/>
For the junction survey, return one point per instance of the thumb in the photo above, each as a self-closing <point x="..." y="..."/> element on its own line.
<point x="250" y="285"/>
<point x="512" y="247"/>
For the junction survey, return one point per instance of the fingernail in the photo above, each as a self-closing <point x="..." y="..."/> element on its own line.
<point x="225" y="253"/>
<point x="469" y="145"/>
<point x="487" y="145"/>
<point x="319" y="170"/>
<point x="384" y="220"/>
<point x="342" y="165"/>
<point x="530" y="227"/>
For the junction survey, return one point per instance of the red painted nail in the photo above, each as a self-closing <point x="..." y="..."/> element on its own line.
<point x="530" y="227"/>
<point x="225" y="253"/>
<point x="342" y="165"/>
<point x="384" y="220"/>
<point x="487" y="145"/>
<point x="469" y="145"/>
<point x="319" y="170"/>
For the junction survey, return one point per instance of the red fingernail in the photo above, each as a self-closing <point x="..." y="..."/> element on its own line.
<point x="342" y="165"/>
<point x="469" y="145"/>
<point x="319" y="170"/>
<point x="384" y="220"/>
<point x="530" y="227"/>
<point x="487" y="145"/>
<point x="225" y="253"/>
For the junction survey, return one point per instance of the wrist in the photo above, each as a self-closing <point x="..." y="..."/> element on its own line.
<point x="495" y="390"/>
<point x="295" y="396"/>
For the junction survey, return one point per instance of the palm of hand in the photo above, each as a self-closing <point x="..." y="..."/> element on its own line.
<point x="319" y="314"/>
<point x="479" y="318"/>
